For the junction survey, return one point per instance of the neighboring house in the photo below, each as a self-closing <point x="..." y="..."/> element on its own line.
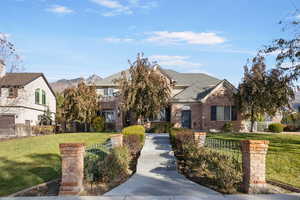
<point x="24" y="99"/>
<point x="199" y="101"/>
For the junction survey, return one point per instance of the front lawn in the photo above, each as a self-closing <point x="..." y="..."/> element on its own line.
<point x="283" y="158"/>
<point x="30" y="161"/>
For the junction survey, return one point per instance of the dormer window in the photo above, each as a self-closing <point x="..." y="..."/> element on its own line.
<point x="12" y="92"/>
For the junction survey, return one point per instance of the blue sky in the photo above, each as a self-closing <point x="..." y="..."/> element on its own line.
<point x="69" y="39"/>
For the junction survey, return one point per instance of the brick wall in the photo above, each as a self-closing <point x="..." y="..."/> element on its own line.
<point x="222" y="97"/>
<point x="196" y="114"/>
<point x="201" y="112"/>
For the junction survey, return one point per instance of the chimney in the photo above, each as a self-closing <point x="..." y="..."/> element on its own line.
<point x="2" y="68"/>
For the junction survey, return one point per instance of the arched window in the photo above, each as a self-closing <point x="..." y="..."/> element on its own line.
<point x="37" y="96"/>
<point x="43" y="97"/>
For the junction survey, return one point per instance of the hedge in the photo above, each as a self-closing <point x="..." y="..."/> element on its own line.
<point x="135" y="130"/>
<point x="276" y="128"/>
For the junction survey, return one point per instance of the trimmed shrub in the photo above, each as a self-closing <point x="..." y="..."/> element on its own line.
<point x="160" y="127"/>
<point x="135" y="130"/>
<point x="276" y="128"/>
<point x="98" y="124"/>
<point x="175" y="131"/>
<point x="223" y="170"/>
<point x="116" y="165"/>
<point x="43" y="130"/>
<point x="133" y="143"/>
<point x="228" y="127"/>
<point x="92" y="162"/>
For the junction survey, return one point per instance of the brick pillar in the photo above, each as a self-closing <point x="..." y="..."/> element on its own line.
<point x="254" y="165"/>
<point x="72" y="168"/>
<point x="117" y="140"/>
<point x="199" y="138"/>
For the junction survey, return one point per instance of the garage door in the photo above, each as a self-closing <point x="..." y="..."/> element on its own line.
<point x="7" y="125"/>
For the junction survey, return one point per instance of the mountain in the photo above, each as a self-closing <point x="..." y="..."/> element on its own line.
<point x="62" y="84"/>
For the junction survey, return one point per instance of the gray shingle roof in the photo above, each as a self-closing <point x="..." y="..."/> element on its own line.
<point x="198" y="85"/>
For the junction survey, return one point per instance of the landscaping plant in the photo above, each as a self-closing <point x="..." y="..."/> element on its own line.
<point x="276" y="127"/>
<point x="219" y="170"/>
<point x="116" y="165"/>
<point x="98" y="124"/>
<point x="135" y="130"/>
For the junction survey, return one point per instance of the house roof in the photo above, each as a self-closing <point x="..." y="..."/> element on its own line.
<point x="18" y="79"/>
<point x="196" y="85"/>
<point x="21" y="79"/>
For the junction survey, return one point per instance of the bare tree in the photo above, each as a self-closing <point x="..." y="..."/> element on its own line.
<point x="8" y="54"/>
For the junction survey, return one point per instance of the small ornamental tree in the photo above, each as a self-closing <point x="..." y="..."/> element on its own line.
<point x="263" y="92"/>
<point x="145" y="90"/>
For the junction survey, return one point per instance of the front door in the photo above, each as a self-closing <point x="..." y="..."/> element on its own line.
<point x="186" y="119"/>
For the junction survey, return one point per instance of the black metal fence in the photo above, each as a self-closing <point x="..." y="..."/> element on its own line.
<point x="99" y="150"/>
<point x="228" y="147"/>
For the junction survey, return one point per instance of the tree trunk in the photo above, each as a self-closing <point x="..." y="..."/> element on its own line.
<point x="252" y="121"/>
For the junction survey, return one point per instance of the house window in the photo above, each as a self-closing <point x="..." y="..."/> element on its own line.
<point x="43" y="97"/>
<point x="223" y="113"/>
<point x="12" y="92"/>
<point x="37" y="96"/>
<point x="109" y="116"/>
<point x="108" y="92"/>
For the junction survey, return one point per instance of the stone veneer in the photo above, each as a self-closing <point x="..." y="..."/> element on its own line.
<point x="254" y="165"/>
<point x="72" y="155"/>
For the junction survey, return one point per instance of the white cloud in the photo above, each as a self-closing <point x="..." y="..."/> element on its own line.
<point x="118" y="40"/>
<point x="201" y="38"/>
<point x="60" y="9"/>
<point x="4" y="36"/>
<point x="297" y="16"/>
<point x="126" y="7"/>
<point x="175" y="61"/>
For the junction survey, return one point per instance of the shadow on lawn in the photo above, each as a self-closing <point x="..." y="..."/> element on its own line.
<point x="35" y="169"/>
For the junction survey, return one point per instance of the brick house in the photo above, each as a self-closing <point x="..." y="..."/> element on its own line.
<point x="199" y="101"/>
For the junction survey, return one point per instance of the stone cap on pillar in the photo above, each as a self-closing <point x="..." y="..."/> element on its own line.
<point x="116" y="135"/>
<point x="71" y="148"/>
<point x="199" y="133"/>
<point x="254" y="145"/>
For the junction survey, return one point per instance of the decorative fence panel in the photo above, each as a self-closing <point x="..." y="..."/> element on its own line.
<point x="228" y="147"/>
<point x="100" y="150"/>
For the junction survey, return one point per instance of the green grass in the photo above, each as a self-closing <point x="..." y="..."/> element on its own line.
<point x="283" y="158"/>
<point x="30" y="161"/>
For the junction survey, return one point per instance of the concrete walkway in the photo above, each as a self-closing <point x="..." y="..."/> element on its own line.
<point x="157" y="175"/>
